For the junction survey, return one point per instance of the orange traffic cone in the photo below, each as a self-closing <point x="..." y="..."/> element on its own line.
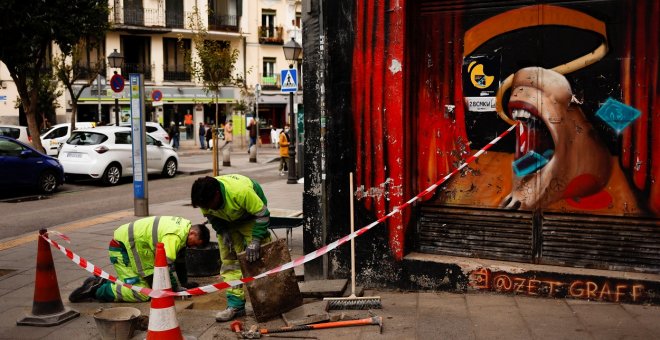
<point x="47" y="307"/>
<point x="162" y="316"/>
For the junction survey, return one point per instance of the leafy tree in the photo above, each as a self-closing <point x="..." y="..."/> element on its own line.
<point x="70" y="67"/>
<point x="28" y="28"/>
<point x="46" y="101"/>
<point x="214" y="61"/>
<point x="213" y="65"/>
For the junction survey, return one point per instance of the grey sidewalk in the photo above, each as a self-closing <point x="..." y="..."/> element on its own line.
<point x="407" y="315"/>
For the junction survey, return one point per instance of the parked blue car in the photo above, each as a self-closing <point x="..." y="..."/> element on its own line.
<point x="21" y="166"/>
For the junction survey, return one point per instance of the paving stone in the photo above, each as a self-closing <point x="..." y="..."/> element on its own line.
<point x="322" y="288"/>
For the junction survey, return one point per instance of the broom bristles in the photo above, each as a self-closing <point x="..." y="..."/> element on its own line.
<point x="353" y="302"/>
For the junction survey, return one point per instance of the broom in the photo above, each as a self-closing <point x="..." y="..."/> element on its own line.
<point x="353" y="302"/>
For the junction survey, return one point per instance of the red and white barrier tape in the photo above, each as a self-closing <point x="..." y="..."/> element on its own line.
<point x="90" y="267"/>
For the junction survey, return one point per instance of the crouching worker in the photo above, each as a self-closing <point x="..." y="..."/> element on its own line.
<point x="132" y="251"/>
<point x="237" y="209"/>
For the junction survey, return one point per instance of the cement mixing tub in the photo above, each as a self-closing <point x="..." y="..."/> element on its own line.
<point x="116" y="323"/>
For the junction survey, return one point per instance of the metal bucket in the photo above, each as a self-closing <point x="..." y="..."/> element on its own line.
<point x="117" y="323"/>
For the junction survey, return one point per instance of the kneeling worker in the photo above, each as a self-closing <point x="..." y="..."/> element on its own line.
<point x="132" y="251"/>
<point x="237" y="209"/>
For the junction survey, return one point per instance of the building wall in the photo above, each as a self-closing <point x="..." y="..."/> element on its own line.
<point x="425" y="80"/>
<point x="245" y="39"/>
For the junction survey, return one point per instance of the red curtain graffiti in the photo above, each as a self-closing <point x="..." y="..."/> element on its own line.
<point x="378" y="94"/>
<point x="437" y="98"/>
<point x="403" y="147"/>
<point x="641" y="143"/>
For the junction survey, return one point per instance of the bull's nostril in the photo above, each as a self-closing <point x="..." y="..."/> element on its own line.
<point x="516" y="206"/>
<point x="506" y="201"/>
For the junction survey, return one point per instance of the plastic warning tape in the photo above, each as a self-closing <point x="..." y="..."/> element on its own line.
<point x="90" y="267"/>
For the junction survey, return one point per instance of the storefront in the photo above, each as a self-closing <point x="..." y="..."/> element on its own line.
<point x="181" y="106"/>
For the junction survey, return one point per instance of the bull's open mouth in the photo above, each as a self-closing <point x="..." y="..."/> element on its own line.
<point x="534" y="144"/>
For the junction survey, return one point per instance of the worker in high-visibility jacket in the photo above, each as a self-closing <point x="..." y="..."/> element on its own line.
<point x="237" y="208"/>
<point x="132" y="251"/>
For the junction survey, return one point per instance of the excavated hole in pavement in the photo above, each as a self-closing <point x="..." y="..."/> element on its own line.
<point x="213" y="301"/>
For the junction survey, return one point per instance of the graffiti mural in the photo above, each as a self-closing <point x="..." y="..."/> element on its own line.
<point x="434" y="81"/>
<point x="560" y="286"/>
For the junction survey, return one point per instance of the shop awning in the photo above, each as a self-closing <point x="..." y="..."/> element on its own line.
<point x="171" y="94"/>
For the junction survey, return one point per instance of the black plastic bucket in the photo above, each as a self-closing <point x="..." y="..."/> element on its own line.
<point x="203" y="261"/>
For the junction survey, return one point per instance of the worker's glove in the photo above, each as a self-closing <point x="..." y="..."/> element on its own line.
<point x="252" y="251"/>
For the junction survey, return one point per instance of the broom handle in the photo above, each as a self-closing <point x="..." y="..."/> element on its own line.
<point x="352" y="239"/>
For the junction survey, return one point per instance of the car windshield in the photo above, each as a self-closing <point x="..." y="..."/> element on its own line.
<point x="9" y="148"/>
<point x="10" y="132"/>
<point x="86" y="138"/>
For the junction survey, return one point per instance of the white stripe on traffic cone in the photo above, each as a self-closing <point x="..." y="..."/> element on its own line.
<point x="162" y="316"/>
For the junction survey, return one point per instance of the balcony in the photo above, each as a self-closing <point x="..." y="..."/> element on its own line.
<point x="270" y="81"/>
<point x="145" y="69"/>
<point x="226" y="23"/>
<point x="88" y="71"/>
<point x="176" y="19"/>
<point x="271" y="35"/>
<point x="176" y="73"/>
<point x="137" y="17"/>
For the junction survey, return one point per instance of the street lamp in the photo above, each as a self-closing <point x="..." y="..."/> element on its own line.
<point x="292" y="52"/>
<point x="257" y="94"/>
<point x="116" y="59"/>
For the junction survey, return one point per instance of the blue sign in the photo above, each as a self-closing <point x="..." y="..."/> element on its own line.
<point x="289" y="80"/>
<point x="138" y="136"/>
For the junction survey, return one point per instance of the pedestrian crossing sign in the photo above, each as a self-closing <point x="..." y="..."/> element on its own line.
<point x="289" y="80"/>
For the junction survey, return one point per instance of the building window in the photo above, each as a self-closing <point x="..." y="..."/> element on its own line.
<point x="174" y="58"/>
<point x="267" y="23"/>
<point x="298" y="21"/>
<point x="91" y="57"/>
<point x="268" y="75"/>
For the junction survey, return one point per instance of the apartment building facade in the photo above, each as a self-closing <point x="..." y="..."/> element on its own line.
<point x="147" y="33"/>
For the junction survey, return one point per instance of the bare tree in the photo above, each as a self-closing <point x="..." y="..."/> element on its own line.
<point x="77" y="73"/>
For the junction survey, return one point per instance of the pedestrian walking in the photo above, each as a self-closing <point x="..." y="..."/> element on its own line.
<point x="202" y="135"/>
<point x="284" y="150"/>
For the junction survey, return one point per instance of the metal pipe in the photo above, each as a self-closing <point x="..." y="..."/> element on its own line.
<point x="293" y="178"/>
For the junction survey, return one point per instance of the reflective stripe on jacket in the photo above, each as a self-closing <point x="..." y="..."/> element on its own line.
<point x="140" y="238"/>
<point x="243" y="200"/>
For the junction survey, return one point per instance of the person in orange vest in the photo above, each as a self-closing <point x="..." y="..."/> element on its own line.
<point x="188" y="122"/>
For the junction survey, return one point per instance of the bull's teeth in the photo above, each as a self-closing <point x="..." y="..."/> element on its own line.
<point x="520" y="113"/>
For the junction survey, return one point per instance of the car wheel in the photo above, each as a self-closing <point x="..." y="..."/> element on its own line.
<point x="47" y="182"/>
<point x="169" y="170"/>
<point x="112" y="174"/>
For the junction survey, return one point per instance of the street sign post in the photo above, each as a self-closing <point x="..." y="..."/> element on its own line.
<point x="117" y="83"/>
<point x="138" y="137"/>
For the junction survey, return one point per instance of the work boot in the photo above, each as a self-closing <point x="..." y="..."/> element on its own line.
<point x="87" y="291"/>
<point x="229" y="314"/>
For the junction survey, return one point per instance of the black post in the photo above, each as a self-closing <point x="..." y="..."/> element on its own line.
<point x="117" y="111"/>
<point x="293" y="178"/>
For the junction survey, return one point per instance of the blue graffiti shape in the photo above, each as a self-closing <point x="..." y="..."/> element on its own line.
<point x="617" y="114"/>
<point x="529" y="163"/>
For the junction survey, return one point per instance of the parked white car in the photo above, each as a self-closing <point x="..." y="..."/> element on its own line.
<point x="20" y="133"/>
<point x="156" y="131"/>
<point x="105" y="153"/>
<point x="52" y="139"/>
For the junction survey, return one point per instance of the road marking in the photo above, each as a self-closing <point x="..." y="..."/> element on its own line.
<point x="88" y="222"/>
